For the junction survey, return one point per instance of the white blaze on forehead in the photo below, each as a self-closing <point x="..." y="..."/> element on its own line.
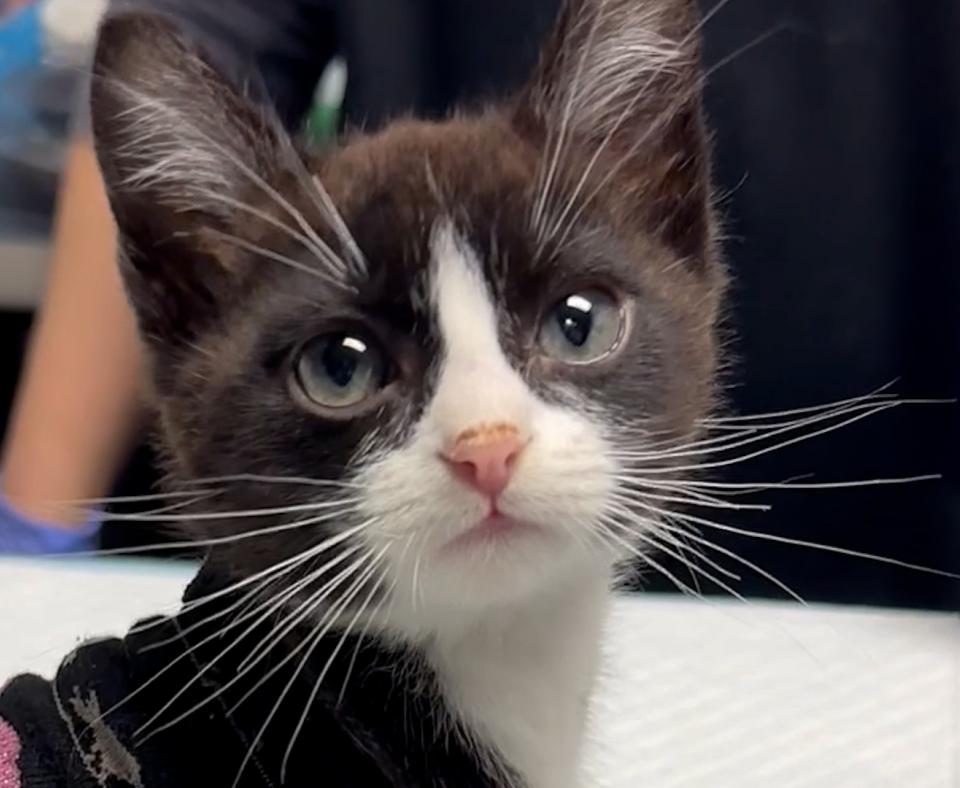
<point x="465" y="311"/>
<point x="477" y="384"/>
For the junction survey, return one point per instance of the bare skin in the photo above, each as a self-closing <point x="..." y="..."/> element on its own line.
<point x="78" y="406"/>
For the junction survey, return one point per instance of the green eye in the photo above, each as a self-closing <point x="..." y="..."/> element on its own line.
<point x="582" y="328"/>
<point x="341" y="370"/>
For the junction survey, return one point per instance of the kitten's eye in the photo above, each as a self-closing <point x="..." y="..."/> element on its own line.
<point x="340" y="370"/>
<point x="582" y="328"/>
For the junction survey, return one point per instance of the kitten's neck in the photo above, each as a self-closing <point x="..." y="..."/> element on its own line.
<point x="522" y="677"/>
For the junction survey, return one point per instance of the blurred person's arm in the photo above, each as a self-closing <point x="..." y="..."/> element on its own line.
<point x="77" y="406"/>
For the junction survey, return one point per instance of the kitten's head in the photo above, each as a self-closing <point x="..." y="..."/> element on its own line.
<point x="437" y="347"/>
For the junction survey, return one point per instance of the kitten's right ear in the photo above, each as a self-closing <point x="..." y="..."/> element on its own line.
<point x="180" y="150"/>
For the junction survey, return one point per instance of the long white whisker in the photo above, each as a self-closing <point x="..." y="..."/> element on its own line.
<point x="776" y="447"/>
<point x="286" y="594"/>
<point x="141" y="733"/>
<point x="250" y="597"/>
<point x="313" y="643"/>
<point x="762" y="38"/>
<point x="760" y="486"/>
<point x="255" y="478"/>
<point x="90" y="507"/>
<point x="415" y="582"/>
<point x="882" y="393"/>
<point x="312" y="604"/>
<point x="631" y="550"/>
<point x="314" y="189"/>
<point x="676" y="536"/>
<point x="803" y="543"/>
<point x="122" y="499"/>
<point x="684" y="547"/>
<point x="173" y="507"/>
<point x="274" y="570"/>
<point x="294" y="561"/>
<point x="737" y="441"/>
<point x="740" y="559"/>
<point x="270" y="254"/>
<point x="687" y="493"/>
<point x="242" y="513"/>
<point x="220" y="540"/>
<point x="300" y="614"/>
<point x="388" y="594"/>
<point x="647" y="538"/>
<point x="326" y="204"/>
<point x="723" y="586"/>
<point x="326" y="668"/>
<point x="691" y="501"/>
<point x="268" y="218"/>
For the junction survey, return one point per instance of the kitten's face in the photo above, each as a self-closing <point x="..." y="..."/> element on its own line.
<point x="455" y="336"/>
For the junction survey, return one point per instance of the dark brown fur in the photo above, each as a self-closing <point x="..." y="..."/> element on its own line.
<point x="222" y="324"/>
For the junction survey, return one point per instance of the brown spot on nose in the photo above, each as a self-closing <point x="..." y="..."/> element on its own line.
<point x="486" y="433"/>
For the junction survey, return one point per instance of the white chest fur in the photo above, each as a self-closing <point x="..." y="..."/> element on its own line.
<point x="522" y="678"/>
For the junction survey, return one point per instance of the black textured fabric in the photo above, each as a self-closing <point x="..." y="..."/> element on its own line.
<point x="47" y="755"/>
<point x="92" y="725"/>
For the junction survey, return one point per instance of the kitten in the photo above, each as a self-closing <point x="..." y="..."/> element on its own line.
<point x="416" y="369"/>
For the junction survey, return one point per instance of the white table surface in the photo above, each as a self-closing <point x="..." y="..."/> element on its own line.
<point x="694" y="695"/>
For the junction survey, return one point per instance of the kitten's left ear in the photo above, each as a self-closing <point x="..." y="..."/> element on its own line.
<point x="616" y="100"/>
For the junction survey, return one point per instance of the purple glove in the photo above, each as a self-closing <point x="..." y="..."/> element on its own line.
<point x="19" y="535"/>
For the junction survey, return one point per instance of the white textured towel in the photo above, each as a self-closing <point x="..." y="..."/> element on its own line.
<point x="695" y="695"/>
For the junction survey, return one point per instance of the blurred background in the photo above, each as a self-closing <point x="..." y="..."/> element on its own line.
<point x="837" y="140"/>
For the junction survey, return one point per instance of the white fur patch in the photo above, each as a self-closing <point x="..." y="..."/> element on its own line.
<point x="511" y="628"/>
<point x="477" y="384"/>
<point x="522" y="676"/>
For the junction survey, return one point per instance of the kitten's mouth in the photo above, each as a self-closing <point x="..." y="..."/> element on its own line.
<point x="495" y="528"/>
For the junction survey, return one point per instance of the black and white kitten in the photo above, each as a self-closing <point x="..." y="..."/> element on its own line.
<point x="419" y="368"/>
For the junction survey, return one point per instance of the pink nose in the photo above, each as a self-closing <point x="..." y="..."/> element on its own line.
<point x="484" y="457"/>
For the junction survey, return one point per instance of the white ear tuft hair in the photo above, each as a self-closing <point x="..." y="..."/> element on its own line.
<point x="611" y="61"/>
<point x="615" y="107"/>
<point x="624" y="57"/>
<point x="168" y="126"/>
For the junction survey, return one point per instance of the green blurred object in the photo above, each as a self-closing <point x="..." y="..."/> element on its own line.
<point x="323" y="120"/>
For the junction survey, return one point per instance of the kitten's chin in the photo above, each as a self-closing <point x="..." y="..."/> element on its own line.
<point x="489" y="581"/>
<point x="496" y="531"/>
<point x="499" y="562"/>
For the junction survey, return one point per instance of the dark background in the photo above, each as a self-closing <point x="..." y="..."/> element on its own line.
<point x="838" y="150"/>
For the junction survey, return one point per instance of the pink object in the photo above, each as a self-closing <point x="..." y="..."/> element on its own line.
<point x="9" y="6"/>
<point x="483" y="458"/>
<point x="9" y="756"/>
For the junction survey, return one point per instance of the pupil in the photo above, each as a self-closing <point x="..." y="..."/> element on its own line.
<point x="576" y="324"/>
<point x="341" y="359"/>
